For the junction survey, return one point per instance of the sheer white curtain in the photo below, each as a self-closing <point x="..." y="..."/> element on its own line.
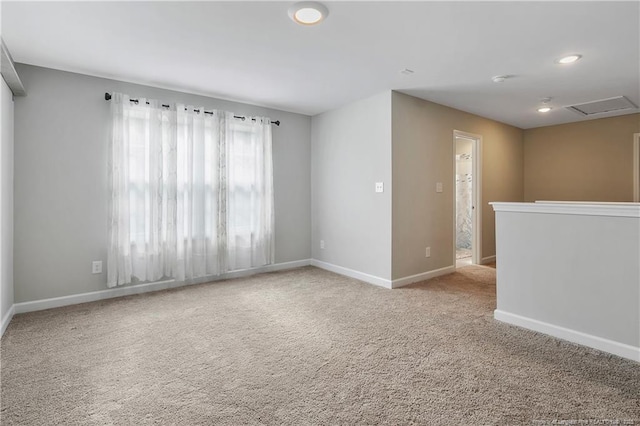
<point x="249" y="194"/>
<point x="142" y="211"/>
<point x="191" y="193"/>
<point x="200" y="234"/>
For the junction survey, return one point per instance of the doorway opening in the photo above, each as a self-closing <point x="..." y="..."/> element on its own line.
<point x="467" y="198"/>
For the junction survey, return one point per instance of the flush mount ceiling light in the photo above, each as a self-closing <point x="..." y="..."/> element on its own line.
<point x="569" y="59"/>
<point x="545" y="107"/>
<point x="308" y="13"/>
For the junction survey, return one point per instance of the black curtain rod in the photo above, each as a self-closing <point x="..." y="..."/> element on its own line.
<point x="107" y="97"/>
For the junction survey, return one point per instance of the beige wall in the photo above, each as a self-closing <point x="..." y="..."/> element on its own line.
<point x="423" y="154"/>
<point x="588" y="160"/>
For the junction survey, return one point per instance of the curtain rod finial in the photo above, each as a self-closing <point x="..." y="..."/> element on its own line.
<point x="107" y="96"/>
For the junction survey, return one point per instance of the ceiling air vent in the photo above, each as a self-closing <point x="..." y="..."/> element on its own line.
<point x="617" y="103"/>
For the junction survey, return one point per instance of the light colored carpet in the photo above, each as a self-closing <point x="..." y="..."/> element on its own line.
<point x="304" y="347"/>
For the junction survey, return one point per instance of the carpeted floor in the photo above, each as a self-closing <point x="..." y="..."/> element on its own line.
<point x="305" y="347"/>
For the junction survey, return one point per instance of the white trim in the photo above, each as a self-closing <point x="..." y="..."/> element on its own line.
<point x="382" y="282"/>
<point x="477" y="200"/>
<point x="476" y="188"/>
<point x="401" y="282"/>
<point x="74" y="299"/>
<point x="252" y="271"/>
<point x="371" y="279"/>
<point x="488" y="259"/>
<point x="636" y="168"/>
<point x="610" y="346"/>
<point x="597" y="203"/>
<point x="9" y="73"/>
<point x="7" y="319"/>
<point x="571" y="208"/>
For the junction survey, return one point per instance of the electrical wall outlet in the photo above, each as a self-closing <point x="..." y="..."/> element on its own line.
<point x="96" y="267"/>
<point x="379" y="186"/>
<point x="322" y="244"/>
<point x="427" y="252"/>
<point x="438" y="186"/>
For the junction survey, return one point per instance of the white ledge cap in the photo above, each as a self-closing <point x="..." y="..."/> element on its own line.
<point x="579" y="208"/>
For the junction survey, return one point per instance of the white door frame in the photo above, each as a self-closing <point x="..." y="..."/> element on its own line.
<point x="636" y="168"/>
<point x="476" y="196"/>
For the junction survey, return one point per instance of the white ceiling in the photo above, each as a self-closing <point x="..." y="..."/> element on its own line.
<point x="252" y="52"/>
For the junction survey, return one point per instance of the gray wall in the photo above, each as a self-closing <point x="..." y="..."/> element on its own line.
<point x="61" y="137"/>
<point x="423" y="153"/>
<point x="351" y="150"/>
<point x="6" y="202"/>
<point x="590" y="279"/>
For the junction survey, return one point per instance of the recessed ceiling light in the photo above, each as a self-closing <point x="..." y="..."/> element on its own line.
<point x="500" y="78"/>
<point x="407" y="71"/>
<point x="544" y="109"/>
<point x="569" y="59"/>
<point x="308" y="13"/>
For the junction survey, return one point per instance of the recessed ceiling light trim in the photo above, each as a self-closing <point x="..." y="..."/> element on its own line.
<point x="308" y="13"/>
<point x="569" y="59"/>
<point x="500" y="78"/>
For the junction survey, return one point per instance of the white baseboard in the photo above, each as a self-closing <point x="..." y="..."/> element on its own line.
<point x="488" y="259"/>
<point x="400" y="282"/>
<point x="616" y="348"/>
<point x="7" y="319"/>
<point x="74" y="299"/>
<point x="251" y="271"/>
<point x="268" y="268"/>
<point x="382" y="282"/>
<point x="371" y="279"/>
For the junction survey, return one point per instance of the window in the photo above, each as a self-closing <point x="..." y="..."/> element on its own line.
<point x="192" y="193"/>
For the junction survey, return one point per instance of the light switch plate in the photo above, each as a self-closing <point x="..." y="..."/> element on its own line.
<point x="379" y="186"/>
<point x="438" y="186"/>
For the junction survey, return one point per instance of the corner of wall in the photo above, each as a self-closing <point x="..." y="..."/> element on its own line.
<point x="6" y="319"/>
<point x="351" y="151"/>
<point x="6" y="205"/>
<point x="422" y="144"/>
<point x="73" y="142"/>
